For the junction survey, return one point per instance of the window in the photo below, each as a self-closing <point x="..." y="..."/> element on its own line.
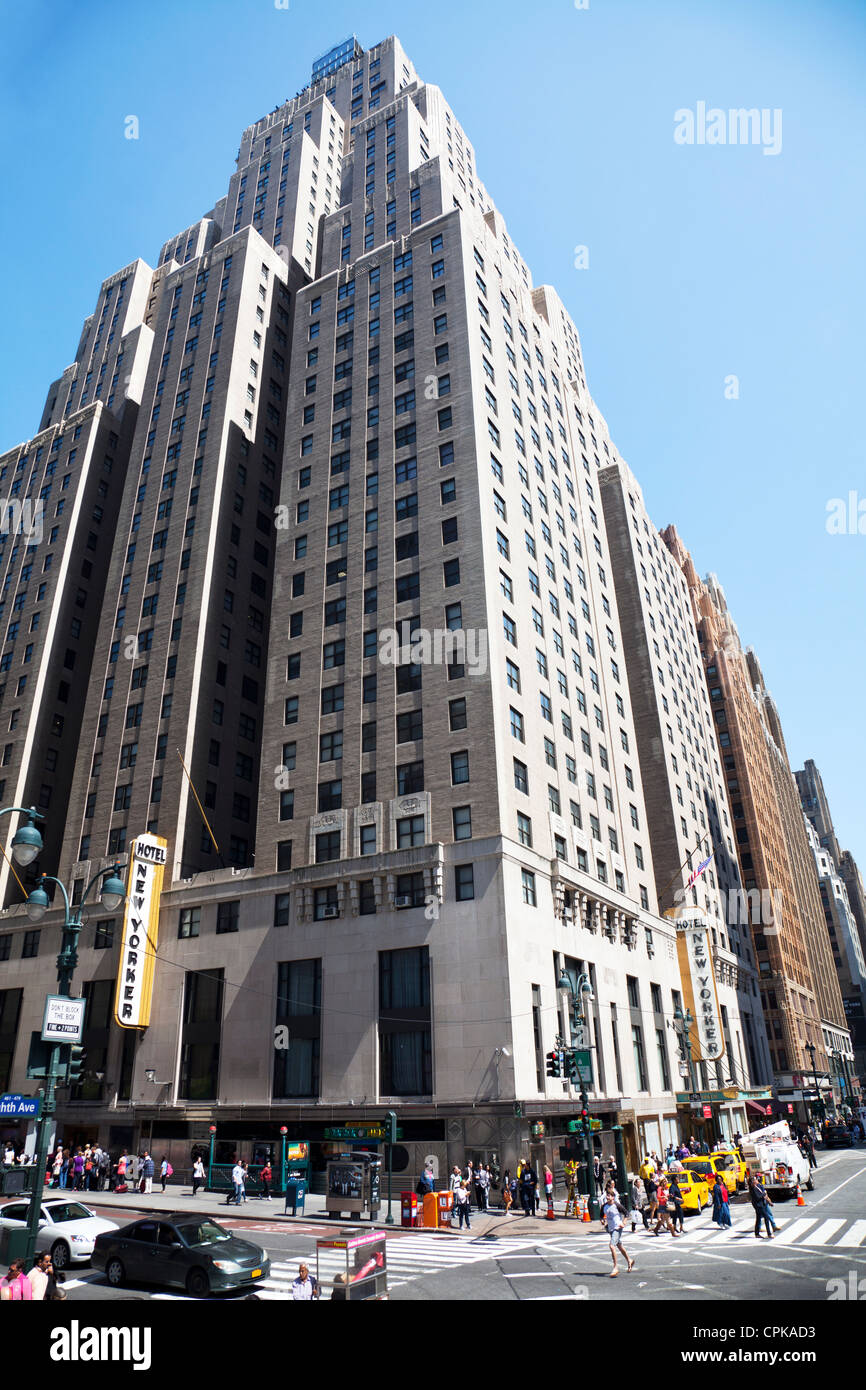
<point x="228" y="917"/>
<point x="189" y="921"/>
<point x="527" y="882"/>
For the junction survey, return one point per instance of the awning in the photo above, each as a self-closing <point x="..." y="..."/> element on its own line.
<point x="756" y="1107"/>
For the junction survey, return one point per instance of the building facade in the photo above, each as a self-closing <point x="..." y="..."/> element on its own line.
<point x="364" y="665"/>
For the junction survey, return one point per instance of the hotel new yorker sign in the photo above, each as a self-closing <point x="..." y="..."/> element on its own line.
<point x="699" y="981"/>
<point x="147" y="859"/>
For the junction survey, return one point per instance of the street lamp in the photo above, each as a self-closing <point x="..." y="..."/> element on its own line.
<point x="27" y="842"/>
<point x="579" y="993"/>
<point x="683" y="1023"/>
<point x="112" y="895"/>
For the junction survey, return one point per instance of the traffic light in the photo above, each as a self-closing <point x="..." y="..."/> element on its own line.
<point x="391" y="1127"/>
<point x="571" y="1065"/>
<point x="554" y="1064"/>
<point x="75" y="1068"/>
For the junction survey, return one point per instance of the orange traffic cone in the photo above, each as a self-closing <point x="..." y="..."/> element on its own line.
<point x="800" y="1199"/>
<point x="586" y="1216"/>
<point x="551" y="1214"/>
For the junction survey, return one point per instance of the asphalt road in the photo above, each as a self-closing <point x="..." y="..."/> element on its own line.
<point x="824" y="1241"/>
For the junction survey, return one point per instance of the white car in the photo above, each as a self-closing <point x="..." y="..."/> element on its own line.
<point x="67" y="1229"/>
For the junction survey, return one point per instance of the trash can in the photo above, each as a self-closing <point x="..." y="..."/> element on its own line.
<point x="409" y="1214"/>
<point x="296" y="1194"/>
<point x="446" y="1207"/>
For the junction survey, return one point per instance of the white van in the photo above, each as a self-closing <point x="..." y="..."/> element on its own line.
<point x="776" y="1159"/>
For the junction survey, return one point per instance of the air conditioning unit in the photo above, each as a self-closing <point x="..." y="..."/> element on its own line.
<point x="404" y="900"/>
<point x="331" y="910"/>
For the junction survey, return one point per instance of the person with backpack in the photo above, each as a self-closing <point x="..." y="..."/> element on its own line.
<point x="122" y="1164"/>
<point x="613" y="1215"/>
<point x="104" y="1170"/>
<point x="165" y="1171"/>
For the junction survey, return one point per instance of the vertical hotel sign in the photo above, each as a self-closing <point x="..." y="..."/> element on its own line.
<point x="699" y="986"/>
<point x="140" y="929"/>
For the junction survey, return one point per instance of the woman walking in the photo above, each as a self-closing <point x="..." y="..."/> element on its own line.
<point x="165" y="1171"/>
<point x="638" y="1202"/>
<point x="675" y="1195"/>
<point x="612" y="1214"/>
<point x="507" y="1198"/>
<point x="56" y="1167"/>
<point x="267" y="1177"/>
<point x="663" y="1214"/>
<point x="548" y="1186"/>
<point x="197" y="1174"/>
<point x="721" y="1203"/>
<point x="461" y="1202"/>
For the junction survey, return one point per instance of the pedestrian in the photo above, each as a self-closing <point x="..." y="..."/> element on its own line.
<point x="507" y="1195"/>
<point x="597" y="1174"/>
<point x="305" y="1288"/>
<point x="650" y="1211"/>
<point x="548" y="1186"/>
<point x="122" y="1164"/>
<point x="236" y="1196"/>
<point x="638" y="1202"/>
<point x="455" y="1179"/>
<point x="56" y="1165"/>
<point x="147" y="1167"/>
<point x="721" y="1203"/>
<point x="470" y="1179"/>
<point x="760" y="1199"/>
<point x="104" y="1170"/>
<point x="663" y="1213"/>
<point x="266" y="1177"/>
<point x="482" y="1187"/>
<point x="197" y="1174"/>
<point x="676" y="1197"/>
<point x="41" y="1276"/>
<point x="16" y="1287"/>
<point x="528" y="1185"/>
<point x="78" y="1170"/>
<point x="646" y="1169"/>
<point x="163" y="1171"/>
<point x="461" y="1202"/>
<point x="612" y="1216"/>
<point x="705" y="1148"/>
<point x="425" y="1182"/>
<point x="8" y="1154"/>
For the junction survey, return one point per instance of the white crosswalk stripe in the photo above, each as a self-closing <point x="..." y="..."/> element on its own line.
<point x="407" y="1258"/>
<point x="791" y="1231"/>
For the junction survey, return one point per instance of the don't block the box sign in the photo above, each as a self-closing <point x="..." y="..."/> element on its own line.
<point x="147" y="859"/>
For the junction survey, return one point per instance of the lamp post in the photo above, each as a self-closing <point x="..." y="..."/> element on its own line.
<point x="284" y="1129"/>
<point x="212" y="1133"/>
<point x="38" y="903"/>
<point x="583" y="990"/>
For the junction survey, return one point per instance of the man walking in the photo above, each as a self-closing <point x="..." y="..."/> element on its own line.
<point x="461" y="1202"/>
<point x="760" y="1199"/>
<point x="528" y="1184"/>
<point x="612" y="1214"/>
<point x="305" y="1287"/>
<point x="237" y="1193"/>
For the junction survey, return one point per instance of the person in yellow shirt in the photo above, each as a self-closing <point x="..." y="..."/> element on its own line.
<point x="647" y="1169"/>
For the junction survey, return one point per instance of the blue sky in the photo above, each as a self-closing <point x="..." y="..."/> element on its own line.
<point x="704" y="261"/>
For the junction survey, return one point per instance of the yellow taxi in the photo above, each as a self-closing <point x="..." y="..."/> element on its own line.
<point x="729" y="1162"/>
<point x="694" y="1183"/>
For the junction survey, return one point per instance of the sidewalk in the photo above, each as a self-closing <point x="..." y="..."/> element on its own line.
<point x="178" y="1198"/>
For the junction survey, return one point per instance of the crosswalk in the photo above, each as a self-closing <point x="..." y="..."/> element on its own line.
<point x="803" y="1231"/>
<point x="408" y="1257"/>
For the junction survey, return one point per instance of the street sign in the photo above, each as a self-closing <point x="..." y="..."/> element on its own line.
<point x="13" y="1107"/>
<point x="583" y="1057"/>
<point x="377" y="1131"/>
<point x="63" y="1020"/>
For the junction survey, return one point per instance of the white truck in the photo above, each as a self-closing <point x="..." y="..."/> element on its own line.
<point x="775" y="1158"/>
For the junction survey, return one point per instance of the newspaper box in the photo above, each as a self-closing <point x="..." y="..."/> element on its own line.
<point x="353" y="1267"/>
<point x="409" y="1213"/>
<point x="445" y="1202"/>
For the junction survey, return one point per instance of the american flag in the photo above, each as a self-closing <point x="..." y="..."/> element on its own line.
<point x="700" y="869"/>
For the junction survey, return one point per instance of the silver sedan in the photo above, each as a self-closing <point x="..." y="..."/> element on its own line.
<point x="67" y="1229"/>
